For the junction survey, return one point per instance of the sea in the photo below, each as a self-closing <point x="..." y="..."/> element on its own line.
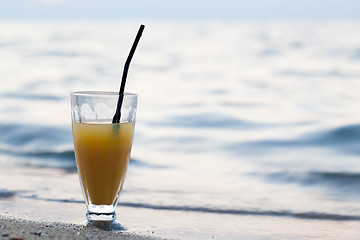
<point x="235" y="118"/>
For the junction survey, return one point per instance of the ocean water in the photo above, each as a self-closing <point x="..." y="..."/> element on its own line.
<point x="234" y="117"/>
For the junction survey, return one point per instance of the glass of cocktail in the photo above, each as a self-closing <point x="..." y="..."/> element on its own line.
<point x="102" y="150"/>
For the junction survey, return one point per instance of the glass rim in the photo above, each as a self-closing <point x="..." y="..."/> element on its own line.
<point x="101" y="93"/>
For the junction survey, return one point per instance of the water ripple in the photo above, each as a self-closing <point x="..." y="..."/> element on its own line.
<point x="343" y="138"/>
<point x="271" y="213"/>
<point x="32" y="97"/>
<point x="206" y="120"/>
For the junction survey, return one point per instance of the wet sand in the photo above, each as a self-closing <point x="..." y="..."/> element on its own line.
<point x="18" y="229"/>
<point x="37" y="219"/>
<point x="28" y="214"/>
<point x="22" y="218"/>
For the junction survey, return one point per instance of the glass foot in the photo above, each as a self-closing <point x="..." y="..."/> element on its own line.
<point x="105" y="225"/>
<point x="104" y="216"/>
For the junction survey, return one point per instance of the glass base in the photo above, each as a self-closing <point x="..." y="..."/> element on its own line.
<point x="103" y="217"/>
<point x="100" y="212"/>
<point x="105" y="225"/>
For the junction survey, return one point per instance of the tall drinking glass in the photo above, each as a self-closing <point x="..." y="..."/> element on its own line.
<point x="102" y="151"/>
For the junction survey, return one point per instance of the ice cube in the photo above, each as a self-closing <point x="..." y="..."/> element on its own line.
<point x="102" y="111"/>
<point x="86" y="113"/>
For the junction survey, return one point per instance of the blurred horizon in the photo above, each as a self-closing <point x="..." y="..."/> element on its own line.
<point x="161" y="9"/>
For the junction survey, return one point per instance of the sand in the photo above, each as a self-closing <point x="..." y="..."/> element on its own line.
<point x="11" y="228"/>
<point x="22" y="218"/>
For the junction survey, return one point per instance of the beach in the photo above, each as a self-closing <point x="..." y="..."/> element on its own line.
<point x="244" y="129"/>
<point x="50" y="218"/>
<point x="26" y="219"/>
<point x="23" y="229"/>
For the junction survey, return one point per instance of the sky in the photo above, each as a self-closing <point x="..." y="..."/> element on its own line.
<point x="184" y="9"/>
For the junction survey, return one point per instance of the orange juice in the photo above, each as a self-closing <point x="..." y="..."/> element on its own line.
<point x="102" y="155"/>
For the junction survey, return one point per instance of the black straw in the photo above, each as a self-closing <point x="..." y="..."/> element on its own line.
<point x="116" y="118"/>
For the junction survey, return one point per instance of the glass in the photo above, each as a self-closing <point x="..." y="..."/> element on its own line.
<point x="102" y="151"/>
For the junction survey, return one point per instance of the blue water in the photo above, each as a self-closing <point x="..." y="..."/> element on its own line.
<point x="249" y="118"/>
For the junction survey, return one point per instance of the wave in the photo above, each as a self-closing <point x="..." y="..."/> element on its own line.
<point x="205" y="120"/>
<point x="304" y="215"/>
<point x="4" y="193"/>
<point x="341" y="135"/>
<point x="144" y="164"/>
<point x="57" y="154"/>
<point x="342" y="185"/>
<point x="335" y="73"/>
<point x="254" y="212"/>
<point x="336" y="178"/>
<point x="42" y="146"/>
<point x="34" y="97"/>
<point x="344" y="138"/>
<point x="21" y="135"/>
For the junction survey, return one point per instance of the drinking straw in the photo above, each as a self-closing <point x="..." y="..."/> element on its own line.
<point x="116" y="118"/>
